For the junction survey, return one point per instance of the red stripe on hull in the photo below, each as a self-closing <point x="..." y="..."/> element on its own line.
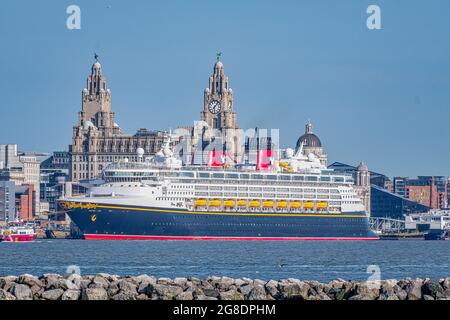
<point x="19" y="238"/>
<point x="184" y="238"/>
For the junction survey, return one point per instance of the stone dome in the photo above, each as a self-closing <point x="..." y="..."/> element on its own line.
<point x="362" y="167"/>
<point x="218" y="64"/>
<point x="309" y="139"/>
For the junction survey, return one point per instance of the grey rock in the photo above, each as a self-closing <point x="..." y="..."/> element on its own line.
<point x="231" y="295"/>
<point x="181" y="282"/>
<point x="185" y="296"/>
<point x="164" y="281"/>
<point x="225" y="283"/>
<point x="142" y="297"/>
<point x="202" y="297"/>
<point x="22" y="292"/>
<point x="30" y="280"/>
<point x="101" y="282"/>
<point x="127" y="286"/>
<point x="240" y="282"/>
<point x="433" y="289"/>
<point x="245" y="290"/>
<point x="4" y="295"/>
<point x="71" y="295"/>
<point x="258" y="293"/>
<point x="293" y="289"/>
<point x="360" y="297"/>
<point x="272" y="288"/>
<point x="36" y="291"/>
<point x="401" y="294"/>
<point x="427" y="297"/>
<point x="94" y="294"/>
<point x="414" y="290"/>
<point x="167" y="292"/>
<point x="54" y="294"/>
<point x="124" y="295"/>
<point x="51" y="280"/>
<point x="368" y="289"/>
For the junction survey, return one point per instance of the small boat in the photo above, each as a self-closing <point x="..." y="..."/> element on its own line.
<point x="254" y="203"/>
<point x="200" y="203"/>
<point x="215" y="203"/>
<point x="308" y="205"/>
<point x="268" y="204"/>
<point x="295" y="205"/>
<point x="282" y="204"/>
<point x="322" y="205"/>
<point x="229" y="203"/>
<point x="19" y="234"/>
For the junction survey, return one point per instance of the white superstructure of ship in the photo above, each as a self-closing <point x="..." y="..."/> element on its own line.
<point x="297" y="183"/>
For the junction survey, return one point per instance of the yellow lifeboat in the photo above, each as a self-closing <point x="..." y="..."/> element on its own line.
<point x="295" y="205"/>
<point x="308" y="205"/>
<point x="322" y="205"/>
<point x="242" y="203"/>
<point x="268" y="204"/>
<point x="282" y="204"/>
<point x="214" y="203"/>
<point x="229" y="203"/>
<point x="200" y="203"/>
<point x="254" y="203"/>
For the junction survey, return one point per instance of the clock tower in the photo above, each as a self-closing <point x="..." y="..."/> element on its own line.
<point x="218" y="109"/>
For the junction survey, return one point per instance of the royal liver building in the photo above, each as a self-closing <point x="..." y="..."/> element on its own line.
<point x="97" y="139"/>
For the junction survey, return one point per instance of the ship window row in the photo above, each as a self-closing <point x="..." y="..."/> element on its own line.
<point x="263" y="189"/>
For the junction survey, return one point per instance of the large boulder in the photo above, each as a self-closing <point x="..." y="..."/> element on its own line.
<point x="231" y="295"/>
<point x="30" y="280"/>
<point x="22" y="292"/>
<point x="433" y="288"/>
<point x="187" y="295"/>
<point x="414" y="289"/>
<point x="71" y="295"/>
<point x="293" y="289"/>
<point x="4" y="295"/>
<point x="258" y="293"/>
<point x="167" y="292"/>
<point x="54" y="294"/>
<point x="272" y="288"/>
<point x="100" y="282"/>
<point x="94" y="294"/>
<point x="368" y="289"/>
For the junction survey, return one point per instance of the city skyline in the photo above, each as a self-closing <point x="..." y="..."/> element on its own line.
<point x="382" y="88"/>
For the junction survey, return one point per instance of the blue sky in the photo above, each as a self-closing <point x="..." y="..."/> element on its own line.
<point x="382" y="96"/>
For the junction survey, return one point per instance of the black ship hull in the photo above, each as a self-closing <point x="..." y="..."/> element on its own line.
<point x="114" y="222"/>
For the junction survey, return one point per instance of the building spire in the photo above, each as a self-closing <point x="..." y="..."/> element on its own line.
<point x="96" y="56"/>
<point x="218" y="56"/>
<point x="309" y="128"/>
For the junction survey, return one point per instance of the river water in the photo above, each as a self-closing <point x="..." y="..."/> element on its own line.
<point x="308" y="260"/>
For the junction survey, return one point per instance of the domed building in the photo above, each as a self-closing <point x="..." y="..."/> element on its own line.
<point x="311" y="144"/>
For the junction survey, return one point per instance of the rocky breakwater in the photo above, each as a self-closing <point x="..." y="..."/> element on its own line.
<point x="144" y="287"/>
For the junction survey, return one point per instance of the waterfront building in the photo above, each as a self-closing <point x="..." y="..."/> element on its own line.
<point x="312" y="144"/>
<point x="25" y="199"/>
<point x="7" y="201"/>
<point x="217" y="129"/>
<point x="387" y="204"/>
<point x="376" y="178"/>
<point x="431" y="191"/>
<point x="9" y="156"/>
<point x="31" y="174"/>
<point x="22" y="169"/>
<point x="97" y="139"/>
<point x="362" y="185"/>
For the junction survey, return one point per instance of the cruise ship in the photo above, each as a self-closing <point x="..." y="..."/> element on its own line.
<point x="159" y="198"/>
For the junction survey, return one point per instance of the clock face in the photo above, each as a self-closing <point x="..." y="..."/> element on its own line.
<point x="214" y="107"/>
